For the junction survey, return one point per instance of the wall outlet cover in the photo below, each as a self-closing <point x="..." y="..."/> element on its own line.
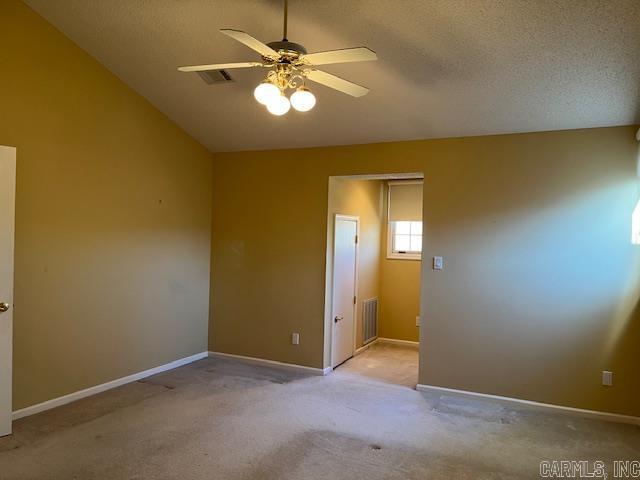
<point x="607" y="378"/>
<point x="295" y="339"/>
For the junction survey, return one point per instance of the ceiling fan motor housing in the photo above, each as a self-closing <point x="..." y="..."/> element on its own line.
<point x="288" y="50"/>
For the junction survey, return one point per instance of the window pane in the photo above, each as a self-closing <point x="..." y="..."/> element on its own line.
<point x="416" y="243"/>
<point x="416" y="228"/>
<point x="403" y="228"/>
<point x="402" y="243"/>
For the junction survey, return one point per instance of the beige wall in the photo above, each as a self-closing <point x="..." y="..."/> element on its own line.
<point x="112" y="219"/>
<point x="361" y="198"/>
<point x="399" y="290"/>
<point x="540" y="285"/>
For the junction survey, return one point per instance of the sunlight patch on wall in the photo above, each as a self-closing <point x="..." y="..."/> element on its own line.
<point x="566" y="268"/>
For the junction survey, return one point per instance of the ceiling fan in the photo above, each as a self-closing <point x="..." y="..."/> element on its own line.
<point x="289" y="67"/>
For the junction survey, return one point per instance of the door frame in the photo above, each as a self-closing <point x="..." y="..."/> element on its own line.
<point x="6" y="377"/>
<point x="356" y="219"/>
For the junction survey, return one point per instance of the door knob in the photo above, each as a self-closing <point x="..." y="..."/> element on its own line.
<point x="4" y="307"/>
<point x="337" y="319"/>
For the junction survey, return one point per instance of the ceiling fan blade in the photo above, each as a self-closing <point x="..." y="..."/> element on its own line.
<point x="252" y="43"/>
<point x="337" y="83"/>
<point x="219" y="66"/>
<point x="357" y="54"/>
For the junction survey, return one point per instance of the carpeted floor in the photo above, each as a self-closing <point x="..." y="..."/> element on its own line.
<point x="387" y="362"/>
<point x="221" y="419"/>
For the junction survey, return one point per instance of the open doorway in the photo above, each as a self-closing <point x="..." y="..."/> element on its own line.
<point x="374" y="256"/>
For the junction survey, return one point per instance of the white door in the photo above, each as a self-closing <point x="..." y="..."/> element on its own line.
<point x="7" y="215"/>
<point x="344" y="288"/>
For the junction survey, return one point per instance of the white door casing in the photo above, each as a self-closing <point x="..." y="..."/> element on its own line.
<point x="7" y="226"/>
<point x="345" y="258"/>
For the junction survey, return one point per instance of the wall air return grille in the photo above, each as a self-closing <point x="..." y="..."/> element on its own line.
<point x="370" y="320"/>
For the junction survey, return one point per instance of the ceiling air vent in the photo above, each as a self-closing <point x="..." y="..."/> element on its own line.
<point x="212" y="77"/>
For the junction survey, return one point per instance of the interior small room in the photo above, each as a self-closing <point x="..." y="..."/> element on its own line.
<point x="382" y="267"/>
<point x="293" y="239"/>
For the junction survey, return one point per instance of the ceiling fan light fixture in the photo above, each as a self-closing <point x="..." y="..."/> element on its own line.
<point x="279" y="105"/>
<point x="289" y="66"/>
<point x="303" y="100"/>
<point x="266" y="92"/>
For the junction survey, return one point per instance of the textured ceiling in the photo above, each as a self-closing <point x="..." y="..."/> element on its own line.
<point x="446" y="67"/>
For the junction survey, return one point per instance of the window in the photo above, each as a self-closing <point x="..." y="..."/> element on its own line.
<point x="404" y="239"/>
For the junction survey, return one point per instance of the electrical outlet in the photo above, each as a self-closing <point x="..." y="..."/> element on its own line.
<point x="607" y="378"/>
<point x="295" y="339"/>
<point x="417" y="321"/>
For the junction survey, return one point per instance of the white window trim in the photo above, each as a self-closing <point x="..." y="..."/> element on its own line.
<point x="391" y="255"/>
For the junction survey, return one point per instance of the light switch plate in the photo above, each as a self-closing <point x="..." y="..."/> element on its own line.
<point x="607" y="378"/>
<point x="438" y="263"/>
<point x="295" y="339"/>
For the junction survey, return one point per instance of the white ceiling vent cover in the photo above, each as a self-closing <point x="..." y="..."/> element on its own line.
<point x="213" y="77"/>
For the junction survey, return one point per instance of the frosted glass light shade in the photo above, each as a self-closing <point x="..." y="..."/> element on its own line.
<point x="279" y="105"/>
<point x="265" y="92"/>
<point x="303" y="100"/>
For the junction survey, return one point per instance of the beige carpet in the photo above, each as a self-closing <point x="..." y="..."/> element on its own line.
<point x="220" y="419"/>
<point x="387" y="362"/>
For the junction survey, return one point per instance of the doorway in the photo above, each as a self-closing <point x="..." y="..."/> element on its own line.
<point x="374" y="267"/>
<point x="7" y="225"/>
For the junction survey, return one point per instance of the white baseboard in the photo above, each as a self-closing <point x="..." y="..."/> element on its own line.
<point x="273" y="363"/>
<point x="593" y="414"/>
<point x="87" y="392"/>
<point x="365" y="347"/>
<point x="398" y="342"/>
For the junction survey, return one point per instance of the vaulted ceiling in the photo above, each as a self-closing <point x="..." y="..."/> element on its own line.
<point x="446" y="67"/>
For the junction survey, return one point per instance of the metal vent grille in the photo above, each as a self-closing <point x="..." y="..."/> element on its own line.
<point x="212" y="77"/>
<point x="370" y="319"/>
